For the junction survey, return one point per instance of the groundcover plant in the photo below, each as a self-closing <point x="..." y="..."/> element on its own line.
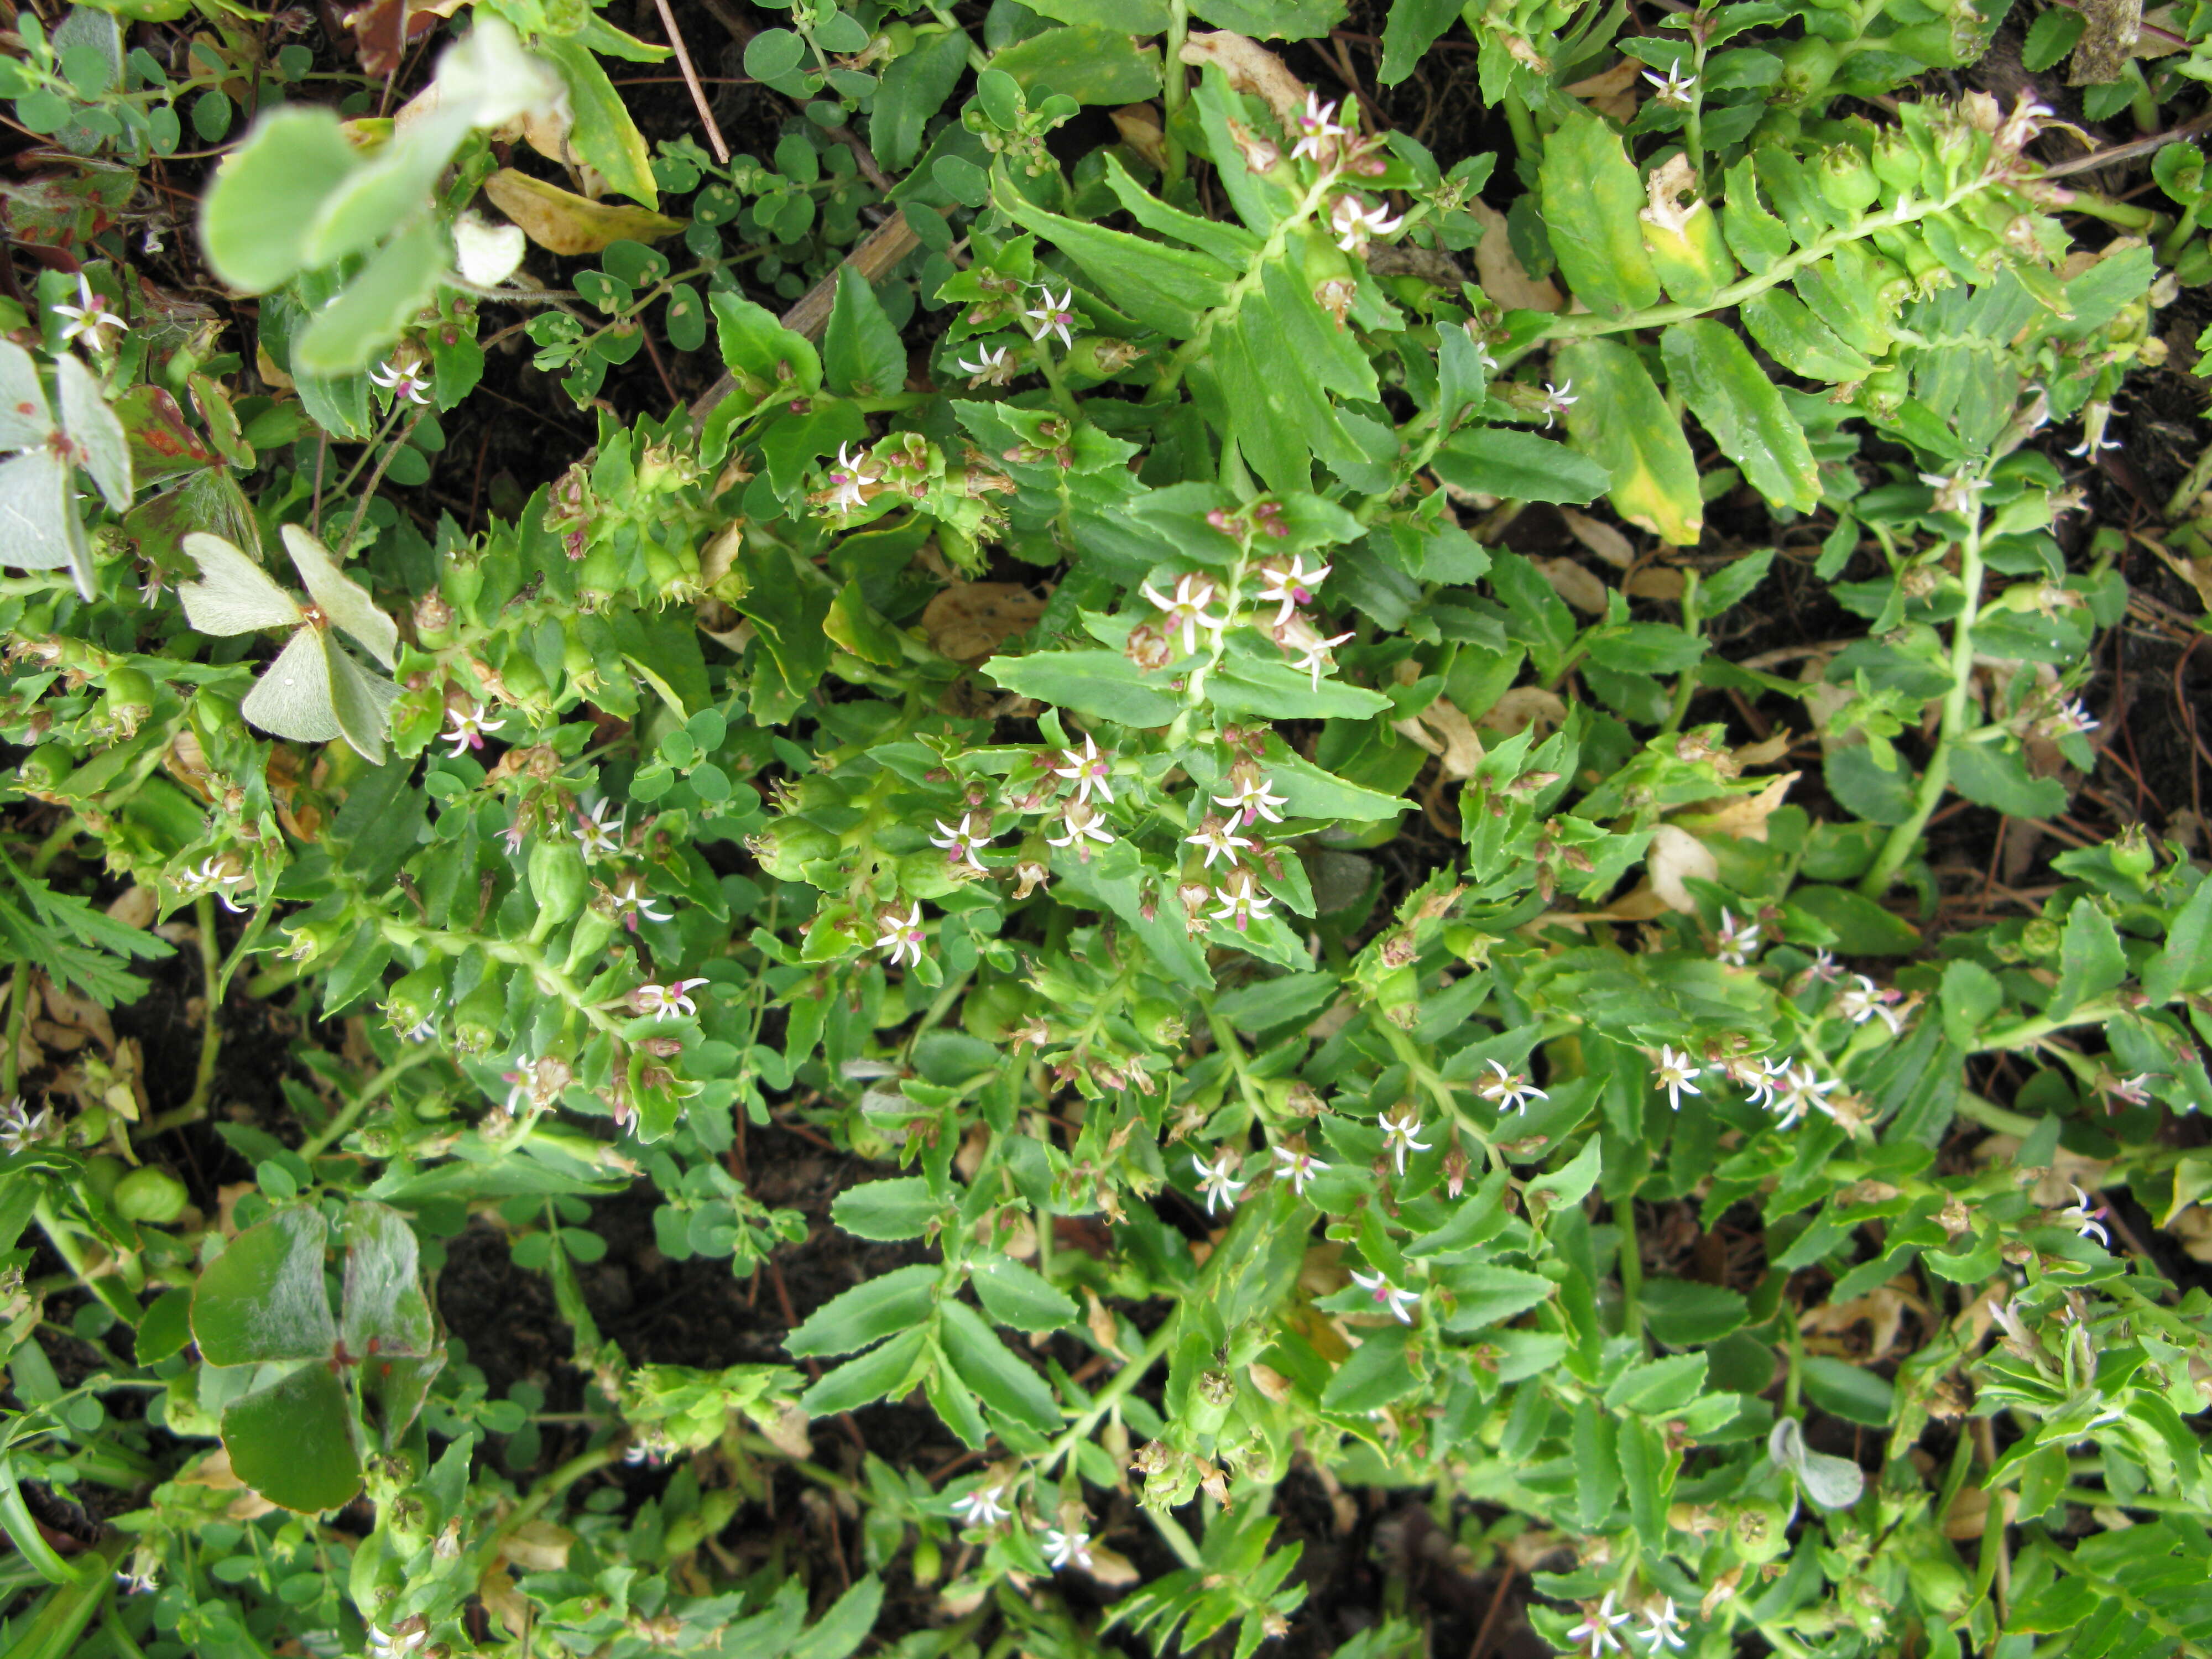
<point x="1107" y="826"/>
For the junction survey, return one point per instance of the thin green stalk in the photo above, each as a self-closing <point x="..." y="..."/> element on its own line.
<point x="1686" y="686"/>
<point x="61" y="1619"/>
<point x="2191" y="487"/>
<point x="1632" y="1270"/>
<point x="1174" y="91"/>
<point x="195" y="1106"/>
<point x="1906" y="836"/>
<point x="103" y="1286"/>
<point x="1991" y="1115"/>
<point x="373" y="1091"/>
<point x="19" y="994"/>
<point x="1107" y="1398"/>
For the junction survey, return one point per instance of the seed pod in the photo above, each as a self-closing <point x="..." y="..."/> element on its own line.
<point x="1847" y="180"/>
<point x="1808" y="66"/>
<point x="558" y="881"/>
<point x="414" y="997"/>
<point x="481" y="1017"/>
<point x="1895" y="161"/>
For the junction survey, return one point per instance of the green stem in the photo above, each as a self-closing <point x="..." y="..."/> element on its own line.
<point x="349" y="1113"/>
<point x="1055" y="380"/>
<point x="19" y="993"/>
<point x="1631" y="1271"/>
<point x="1991" y="1115"/>
<point x="1107" y="1398"/>
<point x="103" y="1286"/>
<point x="1582" y="325"/>
<point x="54" y="1631"/>
<point x="1906" y="836"/>
<point x="1174" y="91"/>
<point x="2199" y="475"/>
<point x="1526" y="141"/>
<point x="2025" y="1033"/>
<point x="195" y="1107"/>
<point x="1686" y="686"/>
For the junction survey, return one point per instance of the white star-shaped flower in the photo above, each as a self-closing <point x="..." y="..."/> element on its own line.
<point x="1387" y="1295"/>
<point x="21" y="1127"/>
<point x="1556" y="401"/>
<point x="2086" y="1222"/>
<point x="1354" y="222"/>
<point x="1801" y="1088"/>
<point x="1314" y="655"/>
<point x="1297" y="1166"/>
<point x="1662" y="1628"/>
<point x="1597" y="1627"/>
<point x="1216" y="838"/>
<point x="994" y="366"/>
<point x="849" y="478"/>
<point x="1088" y="770"/>
<point x="212" y="876"/>
<point x="1399" y="1131"/>
<point x="404" y="380"/>
<point x="1862" y="1000"/>
<point x="1187" y="610"/>
<point x="902" y="938"/>
<point x="87" y="319"/>
<point x="1290" y="586"/>
<point x="1253" y="798"/>
<point x="1055" y="316"/>
<point x="633" y="902"/>
<point x="1316" y="128"/>
<point x="1083" y="823"/>
<point x="597" y="835"/>
<point x="469" y="726"/>
<point x="1509" y="1091"/>
<point x="1068" y="1549"/>
<point x="1739" y="940"/>
<point x="1954" y="492"/>
<point x="2067" y="719"/>
<point x="1217" y="1180"/>
<point x="962" y="841"/>
<point x="667" y="1001"/>
<point x="979" y="1506"/>
<point x="1676" y="1070"/>
<point x="1241" y="901"/>
<point x="1674" y="87"/>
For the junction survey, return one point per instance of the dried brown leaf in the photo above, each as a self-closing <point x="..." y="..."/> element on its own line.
<point x="968" y="620"/>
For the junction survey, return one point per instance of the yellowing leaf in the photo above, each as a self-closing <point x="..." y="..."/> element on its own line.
<point x="562" y="222"/>
<point x="1620" y="419"/>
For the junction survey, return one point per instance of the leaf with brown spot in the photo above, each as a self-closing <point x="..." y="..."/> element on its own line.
<point x="562" y="222"/>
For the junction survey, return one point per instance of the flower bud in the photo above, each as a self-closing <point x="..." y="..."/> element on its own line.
<point x="151" y="1195"/>
<point x="416" y="996"/>
<point x="1847" y="180"/>
<point x="480" y="1017"/>
<point x="558" y="881"/>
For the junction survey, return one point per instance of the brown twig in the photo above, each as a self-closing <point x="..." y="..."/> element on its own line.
<point x="1490" y="1616"/>
<point x="2133" y="147"/>
<point x="691" y="79"/>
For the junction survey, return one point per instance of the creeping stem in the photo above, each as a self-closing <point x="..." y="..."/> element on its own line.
<point x="1902" y="839"/>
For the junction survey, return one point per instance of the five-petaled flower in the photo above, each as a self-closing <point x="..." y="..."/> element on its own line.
<point x="1290" y="586"/>
<point x="1399" y="1131"/>
<point x="849" y="479"/>
<point x="1662" y="1628"/>
<point x="633" y="901"/>
<point x="1400" y="1302"/>
<point x="994" y="366"/>
<point x="964" y="840"/>
<point x="20" y="1128"/>
<point x="1509" y="1091"/>
<point x="2130" y="1090"/>
<point x="1214" y="835"/>
<point x="1068" y="1549"/>
<point x="1862" y="1000"/>
<point x="1317" y="129"/>
<point x="2093" y="418"/>
<point x="1053" y="317"/>
<point x="1675" y="1070"/>
<point x="1308" y="650"/>
<point x="2066" y="720"/>
<point x="468" y="729"/>
<point x="1800" y="1088"/>
<point x="1297" y="1166"/>
<point x="1739" y="940"/>
<point x="1251" y="797"/>
<point x="1088" y="770"/>
<point x="1557" y="400"/>
<point x="1954" y="492"/>
<point x="404" y="380"/>
<point x="979" y="1506"/>
<point x="213" y="876"/>
<point x="1217" y="1180"/>
<point x="1083" y="825"/>
<point x="2086" y="1222"/>
<point x="597" y="836"/>
<point x="1674" y="87"/>
<point x="666" y="1001"/>
<point x="137" y="1580"/>
<point x="88" y="318"/>
<point x="1185" y="609"/>
<point x="1354" y="222"/>
<point x="902" y="936"/>
<point x="1595" y="1631"/>
<point x="1240" y="901"/>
